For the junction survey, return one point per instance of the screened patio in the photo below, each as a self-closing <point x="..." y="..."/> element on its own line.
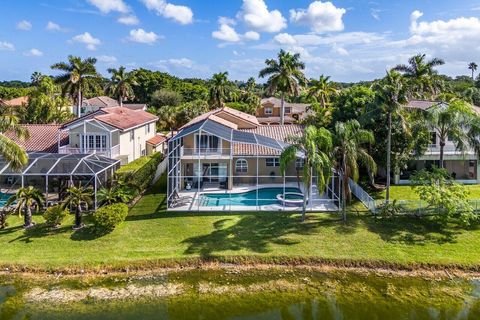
<point x="53" y="173"/>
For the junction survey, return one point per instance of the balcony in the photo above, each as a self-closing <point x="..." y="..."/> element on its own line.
<point x="106" y="152"/>
<point x="449" y="149"/>
<point x="205" y="153"/>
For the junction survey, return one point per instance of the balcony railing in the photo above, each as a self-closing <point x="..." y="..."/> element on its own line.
<point x="106" y="152"/>
<point x="448" y="149"/>
<point x="205" y="152"/>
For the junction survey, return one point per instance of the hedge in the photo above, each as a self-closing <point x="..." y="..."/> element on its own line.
<point x="107" y="218"/>
<point x="141" y="171"/>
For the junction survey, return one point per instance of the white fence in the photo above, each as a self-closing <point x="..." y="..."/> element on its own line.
<point x="363" y="196"/>
<point x="162" y="167"/>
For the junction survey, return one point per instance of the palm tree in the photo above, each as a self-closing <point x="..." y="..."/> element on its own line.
<point x="349" y="151"/>
<point x="121" y="83"/>
<point x="285" y="75"/>
<point x="9" y="149"/>
<point x="36" y="78"/>
<point x="24" y="200"/>
<point x="392" y="94"/>
<point x="322" y="89"/>
<point x="76" y="197"/>
<point x="422" y="74"/>
<point x="473" y="66"/>
<point x="316" y="147"/>
<point x="219" y="89"/>
<point x="77" y="76"/>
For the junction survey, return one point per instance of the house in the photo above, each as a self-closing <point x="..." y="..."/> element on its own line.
<point x="270" y="110"/>
<point x="16" y="102"/>
<point x="41" y="138"/>
<point x="93" y="104"/>
<point x="226" y="160"/>
<point x="115" y="132"/>
<point x="463" y="166"/>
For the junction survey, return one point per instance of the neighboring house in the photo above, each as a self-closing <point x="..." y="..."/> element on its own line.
<point x="16" y="102"/>
<point x="96" y="103"/>
<point x="464" y="167"/>
<point x="115" y="132"/>
<point x="270" y="110"/>
<point x="42" y="138"/>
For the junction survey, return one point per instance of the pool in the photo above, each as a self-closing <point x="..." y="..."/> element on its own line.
<point x="266" y="196"/>
<point x="4" y="198"/>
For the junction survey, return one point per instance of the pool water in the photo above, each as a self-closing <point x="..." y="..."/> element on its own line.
<point x="4" y="198"/>
<point x="266" y="196"/>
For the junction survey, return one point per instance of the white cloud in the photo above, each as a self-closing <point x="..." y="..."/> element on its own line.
<point x="52" y="26"/>
<point x="88" y="39"/>
<point x="228" y="33"/>
<point x="129" y="20"/>
<point x="375" y="13"/>
<point x="183" y="67"/>
<point x="256" y="16"/>
<point x="284" y="38"/>
<point x="180" y="14"/>
<point x="106" y="6"/>
<point x="320" y="17"/>
<point x="142" y="36"/>
<point x="6" y="46"/>
<point x="33" y="53"/>
<point x="251" y="35"/>
<point x="24" y="25"/>
<point x="107" y="59"/>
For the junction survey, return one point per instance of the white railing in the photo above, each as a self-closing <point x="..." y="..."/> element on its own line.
<point x="363" y="196"/>
<point x="162" y="167"/>
<point x="108" y="152"/>
<point x="205" y="152"/>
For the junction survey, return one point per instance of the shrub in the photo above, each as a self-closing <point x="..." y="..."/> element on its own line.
<point x="107" y="218"/>
<point x="55" y="215"/>
<point x="3" y="218"/>
<point x="140" y="172"/>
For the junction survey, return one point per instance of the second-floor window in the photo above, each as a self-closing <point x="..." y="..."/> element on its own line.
<point x="433" y="139"/>
<point x="288" y="110"/>
<point x="94" y="142"/>
<point x="147" y="128"/>
<point x="207" y="143"/>
<point x="268" y="110"/>
<point x="272" y="162"/>
<point x="132" y="135"/>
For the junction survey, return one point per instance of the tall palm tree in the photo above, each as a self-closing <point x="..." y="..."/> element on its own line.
<point x="392" y="95"/>
<point x="120" y="85"/>
<point x="473" y="67"/>
<point x="350" y="143"/>
<point x="285" y="76"/>
<point x="9" y="149"/>
<point x="78" y="75"/>
<point x="316" y="147"/>
<point x="24" y="200"/>
<point x="322" y="89"/>
<point x="76" y="197"/>
<point x="219" y="89"/>
<point x="422" y="74"/>
<point x="36" y="78"/>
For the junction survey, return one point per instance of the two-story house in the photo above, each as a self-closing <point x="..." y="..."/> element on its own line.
<point x="96" y="103"/>
<point x="270" y="110"/>
<point x="115" y="132"/>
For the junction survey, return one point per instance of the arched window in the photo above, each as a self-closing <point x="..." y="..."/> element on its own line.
<point x="241" y="166"/>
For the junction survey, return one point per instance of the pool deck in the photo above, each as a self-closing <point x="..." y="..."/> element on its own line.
<point x="188" y="200"/>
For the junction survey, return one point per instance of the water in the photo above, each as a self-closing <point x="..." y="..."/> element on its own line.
<point x="241" y="295"/>
<point x="4" y="198"/>
<point x="266" y="196"/>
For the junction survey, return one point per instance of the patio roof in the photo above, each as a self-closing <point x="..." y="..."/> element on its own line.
<point x="54" y="164"/>
<point x="214" y="128"/>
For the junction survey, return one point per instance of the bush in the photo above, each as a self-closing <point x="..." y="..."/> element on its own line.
<point x="3" y="219"/>
<point x="140" y="172"/>
<point x="107" y="218"/>
<point x="55" y="215"/>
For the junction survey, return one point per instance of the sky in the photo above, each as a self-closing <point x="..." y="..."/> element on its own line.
<point x="350" y="40"/>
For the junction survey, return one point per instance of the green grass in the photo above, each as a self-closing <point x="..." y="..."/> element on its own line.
<point x="407" y="193"/>
<point x="151" y="235"/>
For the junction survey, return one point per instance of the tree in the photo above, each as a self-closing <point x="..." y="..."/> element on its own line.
<point x="24" y="200"/>
<point x="121" y="84"/>
<point x="165" y="97"/>
<point x="349" y="151"/>
<point x="78" y="76"/>
<point x="316" y="146"/>
<point x="321" y="90"/>
<point x="285" y="76"/>
<point x="422" y="75"/>
<point x="75" y="198"/>
<point x="352" y="103"/>
<point x="473" y="67"/>
<point x="115" y="194"/>
<point x="219" y="89"/>
<point x="9" y="149"/>
<point x="36" y="77"/>
<point x="392" y="94"/>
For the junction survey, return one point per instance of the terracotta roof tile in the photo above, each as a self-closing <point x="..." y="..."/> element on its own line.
<point x="124" y="118"/>
<point x="235" y="113"/>
<point x="43" y="138"/>
<point x="101" y="102"/>
<point x="157" y="139"/>
<point x="16" y="101"/>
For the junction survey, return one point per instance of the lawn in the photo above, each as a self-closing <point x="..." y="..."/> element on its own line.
<point x="407" y="193"/>
<point x="151" y="235"/>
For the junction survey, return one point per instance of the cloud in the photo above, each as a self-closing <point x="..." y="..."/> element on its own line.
<point x="183" y="67"/>
<point x="142" y="36"/>
<point x="33" y="53"/>
<point x="88" y="39"/>
<point x="24" y="25"/>
<point x="52" y="26"/>
<point x="375" y="13"/>
<point x="256" y="16"/>
<point x="106" y="6"/>
<point x="228" y="33"/>
<point x="6" y="46"/>
<point x="320" y="17"/>
<point x="129" y="20"/>
<point x="106" y="59"/>
<point x="180" y="14"/>
<point x="284" y="39"/>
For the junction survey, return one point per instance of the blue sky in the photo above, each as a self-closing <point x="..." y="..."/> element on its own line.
<point x="350" y="40"/>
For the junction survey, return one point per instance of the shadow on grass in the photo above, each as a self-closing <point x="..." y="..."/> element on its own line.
<point x="254" y="232"/>
<point x="38" y="231"/>
<point x="88" y="233"/>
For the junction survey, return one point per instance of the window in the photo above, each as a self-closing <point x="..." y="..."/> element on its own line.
<point x="299" y="163"/>
<point x="268" y="110"/>
<point x="132" y="135"/>
<point x="241" y="166"/>
<point x="272" y="162"/>
<point x="433" y="139"/>
<point x="288" y="110"/>
<point x="207" y="143"/>
<point x="144" y="152"/>
<point x="94" y="142"/>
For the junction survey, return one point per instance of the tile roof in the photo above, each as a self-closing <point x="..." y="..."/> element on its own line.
<point x="235" y="113"/>
<point x="124" y="118"/>
<point x="157" y="139"/>
<point x="135" y="106"/>
<point x="421" y="104"/>
<point x="277" y="132"/>
<point x="16" y="101"/>
<point x="43" y="138"/>
<point x="296" y="107"/>
<point x="267" y="120"/>
<point x="101" y="102"/>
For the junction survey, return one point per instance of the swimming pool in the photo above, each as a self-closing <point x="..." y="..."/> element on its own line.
<point x="266" y="196"/>
<point x="4" y="198"/>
